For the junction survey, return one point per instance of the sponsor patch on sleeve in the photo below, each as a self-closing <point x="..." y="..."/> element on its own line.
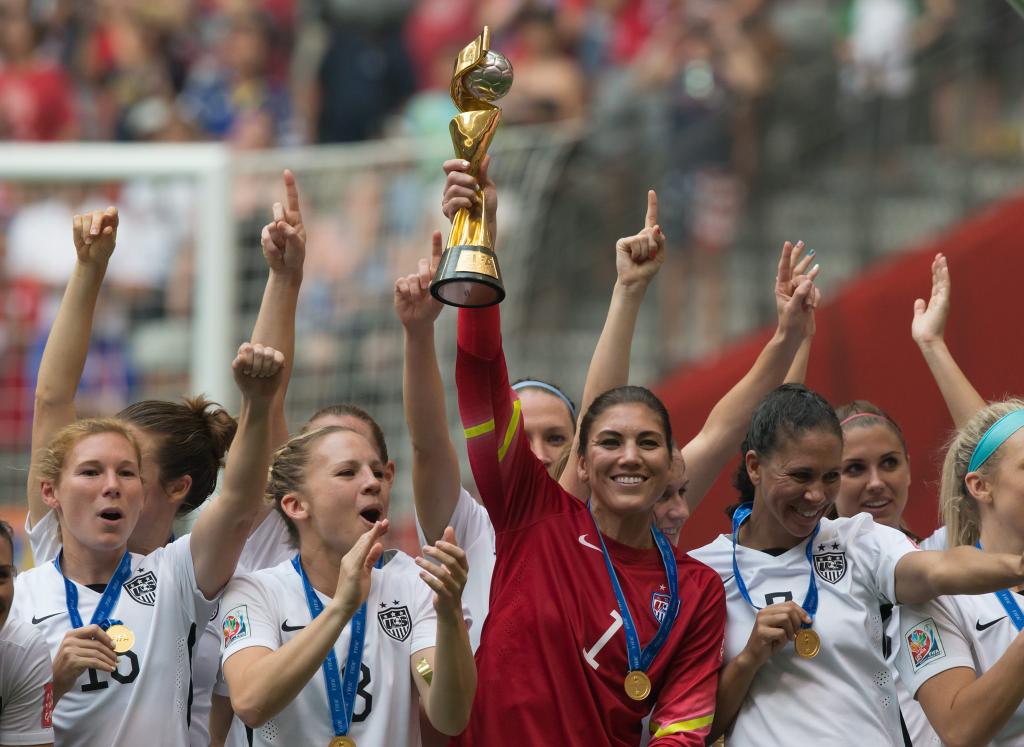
<point x="924" y="643"/>
<point x="47" y="720"/>
<point x="236" y="625"/>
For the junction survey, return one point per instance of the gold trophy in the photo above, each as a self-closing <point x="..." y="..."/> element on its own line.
<point x="469" y="273"/>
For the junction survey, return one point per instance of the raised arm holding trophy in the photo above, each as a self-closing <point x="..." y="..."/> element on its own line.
<point x="469" y="274"/>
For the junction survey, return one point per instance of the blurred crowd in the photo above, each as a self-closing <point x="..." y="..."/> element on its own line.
<point x="696" y="97"/>
<point x="260" y="73"/>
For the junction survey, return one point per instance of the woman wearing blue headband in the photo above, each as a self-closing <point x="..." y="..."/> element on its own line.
<point x="961" y="656"/>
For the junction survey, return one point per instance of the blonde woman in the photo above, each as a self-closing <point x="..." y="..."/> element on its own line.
<point x="961" y="656"/>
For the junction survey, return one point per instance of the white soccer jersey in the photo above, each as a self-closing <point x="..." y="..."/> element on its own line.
<point x="957" y="631"/>
<point x="26" y="685"/>
<point x="474" y="533"/>
<point x="847" y="689"/>
<point x="919" y="729"/>
<point x="267" y="607"/>
<point x="148" y="699"/>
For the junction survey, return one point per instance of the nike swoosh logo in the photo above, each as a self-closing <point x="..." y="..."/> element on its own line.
<point x="583" y="541"/>
<point x="290" y="628"/>
<point x="979" y="626"/>
<point x="37" y="620"/>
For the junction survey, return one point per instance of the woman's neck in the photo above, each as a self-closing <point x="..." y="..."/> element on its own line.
<point x="322" y="566"/>
<point x="999" y="536"/>
<point x="763" y="532"/>
<point x="153" y="531"/>
<point x="632" y="530"/>
<point x="85" y="565"/>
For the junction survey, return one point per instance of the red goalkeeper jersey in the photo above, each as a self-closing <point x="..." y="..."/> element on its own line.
<point x="552" y="658"/>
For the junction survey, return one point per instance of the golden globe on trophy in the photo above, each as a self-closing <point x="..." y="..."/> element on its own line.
<point x="469" y="273"/>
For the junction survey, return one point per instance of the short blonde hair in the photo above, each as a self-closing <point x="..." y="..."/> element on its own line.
<point x="959" y="508"/>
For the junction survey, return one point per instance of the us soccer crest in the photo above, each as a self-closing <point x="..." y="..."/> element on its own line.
<point x="396" y="622"/>
<point x="659" y="605"/>
<point x="831" y="566"/>
<point x="142" y="588"/>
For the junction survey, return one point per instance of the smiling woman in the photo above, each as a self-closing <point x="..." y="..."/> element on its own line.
<point x="793" y="575"/>
<point x="647" y="619"/>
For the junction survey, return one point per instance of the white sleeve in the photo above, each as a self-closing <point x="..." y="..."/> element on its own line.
<point x="930" y="642"/>
<point x="937" y="540"/>
<point x="27" y="709"/>
<point x="424" y="618"/>
<point x="248" y="618"/>
<point x="469" y="520"/>
<point x="43" y="537"/>
<point x="179" y="556"/>
<point x="881" y="548"/>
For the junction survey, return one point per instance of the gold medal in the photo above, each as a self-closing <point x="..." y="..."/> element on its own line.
<point x="638" y="685"/>
<point x="342" y="742"/>
<point x="123" y="638"/>
<point x="807" y="643"/>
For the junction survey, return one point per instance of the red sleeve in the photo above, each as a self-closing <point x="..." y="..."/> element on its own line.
<point x="515" y="488"/>
<point x="686" y="704"/>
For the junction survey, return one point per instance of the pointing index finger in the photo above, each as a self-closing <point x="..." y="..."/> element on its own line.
<point x="652" y="209"/>
<point x="291" y="189"/>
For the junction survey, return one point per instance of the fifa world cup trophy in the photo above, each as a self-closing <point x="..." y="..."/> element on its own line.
<point x="469" y="273"/>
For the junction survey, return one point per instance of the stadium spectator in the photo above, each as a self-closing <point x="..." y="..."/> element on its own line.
<point x="230" y="95"/>
<point x="37" y="98"/>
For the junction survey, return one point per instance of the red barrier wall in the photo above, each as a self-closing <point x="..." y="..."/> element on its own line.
<point x="863" y="350"/>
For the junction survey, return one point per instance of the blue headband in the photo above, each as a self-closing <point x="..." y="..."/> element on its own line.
<point x="995" y="436"/>
<point x="534" y="384"/>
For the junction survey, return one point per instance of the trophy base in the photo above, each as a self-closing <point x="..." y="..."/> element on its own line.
<point x="468" y="277"/>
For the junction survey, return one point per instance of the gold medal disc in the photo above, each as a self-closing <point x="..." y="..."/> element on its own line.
<point x="342" y="742"/>
<point x="638" y="685"/>
<point x="807" y="643"/>
<point x="123" y="638"/>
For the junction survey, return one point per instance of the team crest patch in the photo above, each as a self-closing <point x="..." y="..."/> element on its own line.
<point x="831" y="566"/>
<point x="924" y="643"/>
<point x="659" y="605"/>
<point x="236" y="625"/>
<point x="396" y="622"/>
<point x="142" y="588"/>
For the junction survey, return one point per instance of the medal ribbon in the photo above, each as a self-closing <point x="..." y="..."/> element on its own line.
<point x="810" y="605"/>
<point x="641" y="659"/>
<point x="1006" y="598"/>
<point x="340" y="695"/>
<point x="107" y="602"/>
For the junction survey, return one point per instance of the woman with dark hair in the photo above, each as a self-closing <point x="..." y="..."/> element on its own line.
<point x="793" y="575"/>
<point x="546" y="642"/>
<point x="26" y="674"/>
<point x="184" y="443"/>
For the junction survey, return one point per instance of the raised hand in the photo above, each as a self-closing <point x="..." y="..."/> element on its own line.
<point x="414" y="305"/>
<point x="796" y="296"/>
<point x="774" y="627"/>
<point x="639" y="257"/>
<point x="88" y="647"/>
<point x="257" y="371"/>
<point x="446" y="572"/>
<point x="461" y="191"/>
<point x="356" y="566"/>
<point x="284" y="238"/>
<point x="95" y="235"/>
<point x="929" y="325"/>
